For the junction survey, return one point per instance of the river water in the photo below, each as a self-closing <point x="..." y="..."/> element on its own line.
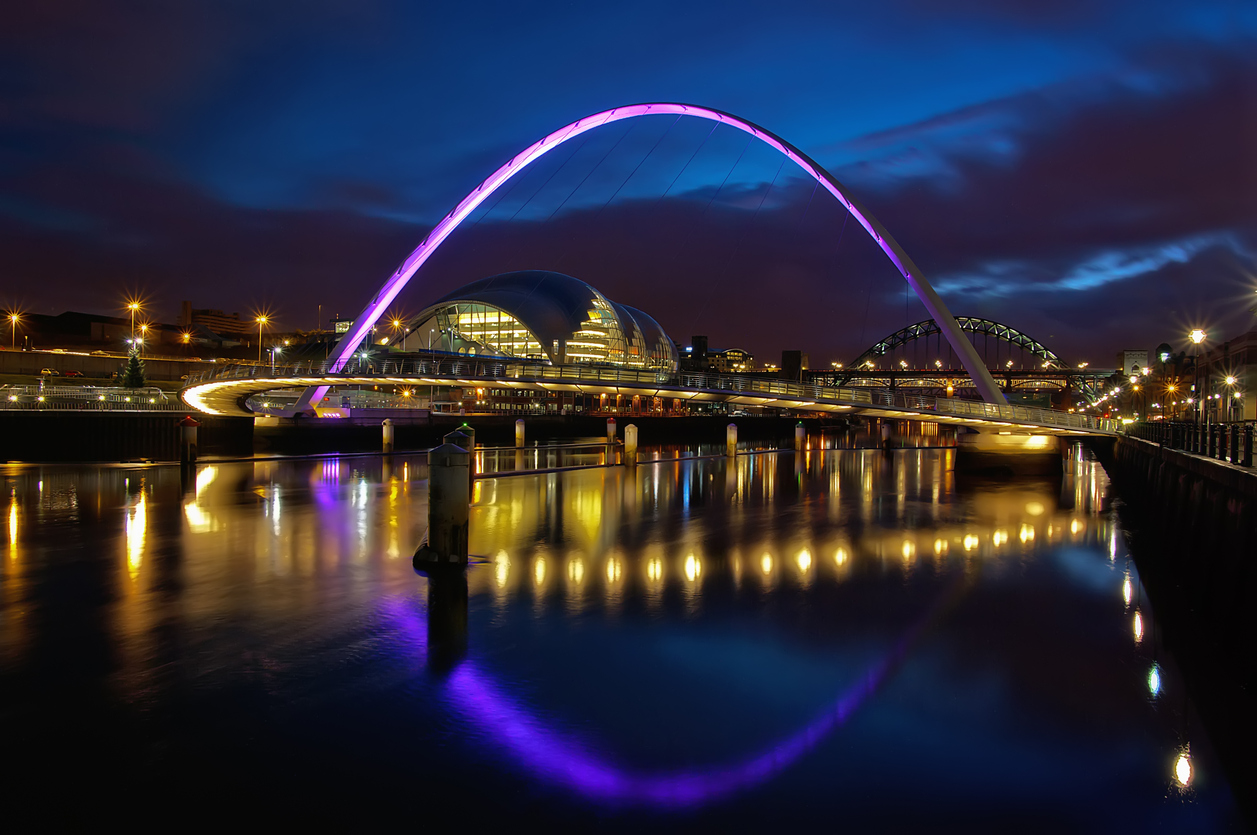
<point x="840" y="639"/>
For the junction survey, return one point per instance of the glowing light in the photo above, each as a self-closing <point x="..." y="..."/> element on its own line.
<point x="940" y="547"/>
<point x="1127" y="590"/>
<point x="804" y="559"/>
<point x="1139" y="627"/>
<point x="654" y="569"/>
<point x="13" y="527"/>
<point x="1026" y="534"/>
<point x="1034" y="508"/>
<point x="614" y="570"/>
<point x="693" y="568"/>
<point x="1154" y="680"/>
<point x="501" y="569"/>
<point x="1183" y="769"/>
<point x="539" y="570"/>
<point x="1074" y="527"/>
<point x="840" y="556"/>
<point x="908" y="549"/>
<point x="766" y="564"/>
<point x="365" y="322"/>
<point x="970" y="542"/>
<point x="576" y="571"/>
<point x="136" y="524"/>
<point x="999" y="538"/>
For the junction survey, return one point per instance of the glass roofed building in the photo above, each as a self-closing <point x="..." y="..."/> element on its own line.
<point x="544" y="317"/>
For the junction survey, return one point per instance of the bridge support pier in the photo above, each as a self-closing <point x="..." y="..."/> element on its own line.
<point x="465" y="438"/>
<point x="630" y="446"/>
<point x="449" y="508"/>
<point x="519" y="433"/>
<point x="731" y="440"/>
<point x="187" y="444"/>
<point x="387" y="426"/>
<point x="800" y="435"/>
<point x="610" y="430"/>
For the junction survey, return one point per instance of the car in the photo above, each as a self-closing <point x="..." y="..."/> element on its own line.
<point x="72" y="374"/>
<point x="49" y="372"/>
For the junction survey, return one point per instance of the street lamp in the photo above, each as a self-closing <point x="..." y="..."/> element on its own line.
<point x="262" y="320"/>
<point x="1197" y="336"/>
<point x="13" y="320"/>
<point x="143" y="335"/>
<point x="133" y="307"/>
<point x="274" y="351"/>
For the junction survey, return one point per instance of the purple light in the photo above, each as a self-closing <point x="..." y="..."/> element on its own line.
<point x="557" y="758"/>
<point x="933" y="304"/>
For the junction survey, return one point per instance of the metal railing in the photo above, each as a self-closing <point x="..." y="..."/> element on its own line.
<point x="1231" y="442"/>
<point x="802" y="394"/>
<point x="87" y="398"/>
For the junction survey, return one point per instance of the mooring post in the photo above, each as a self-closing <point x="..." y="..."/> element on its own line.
<point x="630" y="446"/>
<point x="731" y="440"/>
<point x="449" y="508"/>
<point x="388" y="435"/>
<point x="519" y="433"/>
<point x="610" y="430"/>
<point x="187" y="442"/>
<point x="799" y="434"/>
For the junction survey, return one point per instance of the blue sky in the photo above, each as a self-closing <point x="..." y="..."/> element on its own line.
<point x="1085" y="172"/>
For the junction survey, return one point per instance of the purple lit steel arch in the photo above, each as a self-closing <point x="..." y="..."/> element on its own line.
<point x="911" y="273"/>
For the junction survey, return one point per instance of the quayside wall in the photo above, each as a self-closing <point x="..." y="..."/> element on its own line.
<point x="88" y="436"/>
<point x="1191" y="526"/>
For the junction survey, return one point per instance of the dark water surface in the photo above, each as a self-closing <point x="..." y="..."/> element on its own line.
<point x="841" y="640"/>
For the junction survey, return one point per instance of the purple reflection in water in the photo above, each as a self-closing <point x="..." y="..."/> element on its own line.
<point x="555" y="757"/>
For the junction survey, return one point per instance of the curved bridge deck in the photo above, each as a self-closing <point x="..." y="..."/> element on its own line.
<point x="224" y="391"/>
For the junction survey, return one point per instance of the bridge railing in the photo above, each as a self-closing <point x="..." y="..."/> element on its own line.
<point x="765" y="389"/>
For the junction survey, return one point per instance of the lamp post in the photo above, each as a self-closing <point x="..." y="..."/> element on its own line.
<point x="275" y="350"/>
<point x="13" y="320"/>
<point x="262" y="320"/>
<point x="133" y="307"/>
<point x="1197" y="336"/>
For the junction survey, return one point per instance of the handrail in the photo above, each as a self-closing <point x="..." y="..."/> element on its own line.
<point x="523" y="372"/>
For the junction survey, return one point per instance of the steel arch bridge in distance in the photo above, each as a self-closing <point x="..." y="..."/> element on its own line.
<point x="967" y="324"/>
<point x="909" y="271"/>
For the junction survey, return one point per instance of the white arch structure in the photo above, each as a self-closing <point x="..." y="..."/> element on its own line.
<point x="911" y="273"/>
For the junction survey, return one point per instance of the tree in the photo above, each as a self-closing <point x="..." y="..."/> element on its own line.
<point x="133" y="376"/>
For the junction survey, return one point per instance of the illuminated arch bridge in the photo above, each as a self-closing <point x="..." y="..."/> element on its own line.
<point x="904" y="266"/>
<point x="226" y="390"/>
<point x="969" y="325"/>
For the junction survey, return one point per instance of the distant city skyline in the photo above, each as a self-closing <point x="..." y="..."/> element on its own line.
<point x="1085" y="174"/>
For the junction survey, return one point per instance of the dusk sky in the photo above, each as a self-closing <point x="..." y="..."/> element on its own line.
<point x="1083" y="171"/>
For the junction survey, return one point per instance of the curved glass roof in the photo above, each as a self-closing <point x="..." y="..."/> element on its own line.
<point x="547" y="316"/>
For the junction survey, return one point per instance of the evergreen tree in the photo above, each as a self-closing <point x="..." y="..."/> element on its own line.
<point x="133" y="376"/>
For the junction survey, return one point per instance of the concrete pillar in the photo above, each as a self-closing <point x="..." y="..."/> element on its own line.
<point x="630" y="446"/>
<point x="519" y="432"/>
<point x="388" y="435"/>
<point x="800" y="434"/>
<point x="731" y="440"/>
<point x="188" y="441"/>
<point x="610" y="430"/>
<point x="449" y="508"/>
<point x="465" y="437"/>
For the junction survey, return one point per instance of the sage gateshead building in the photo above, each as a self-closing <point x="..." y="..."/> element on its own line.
<point x="540" y="316"/>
